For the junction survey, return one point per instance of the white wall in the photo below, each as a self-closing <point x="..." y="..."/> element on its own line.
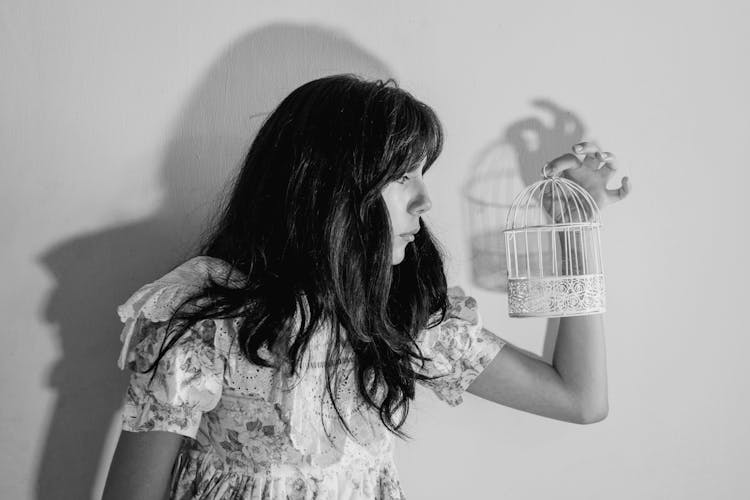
<point x="119" y="119"/>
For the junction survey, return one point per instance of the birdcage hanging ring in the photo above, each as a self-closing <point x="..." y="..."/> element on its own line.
<point x="553" y="251"/>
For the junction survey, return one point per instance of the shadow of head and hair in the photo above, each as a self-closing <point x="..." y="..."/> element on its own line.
<point x="96" y="271"/>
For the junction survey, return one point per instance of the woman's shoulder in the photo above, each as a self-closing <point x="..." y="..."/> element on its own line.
<point x="154" y="303"/>
<point x="196" y="271"/>
<point x="157" y="299"/>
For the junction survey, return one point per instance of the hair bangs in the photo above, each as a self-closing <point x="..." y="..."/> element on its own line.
<point x="417" y="136"/>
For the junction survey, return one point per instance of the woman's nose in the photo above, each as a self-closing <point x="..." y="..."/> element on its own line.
<point x="421" y="203"/>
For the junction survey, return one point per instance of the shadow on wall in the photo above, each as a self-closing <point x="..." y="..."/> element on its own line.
<point x="500" y="171"/>
<point x="95" y="272"/>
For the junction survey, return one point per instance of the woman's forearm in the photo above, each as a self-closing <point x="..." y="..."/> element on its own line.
<point x="580" y="359"/>
<point x="580" y="354"/>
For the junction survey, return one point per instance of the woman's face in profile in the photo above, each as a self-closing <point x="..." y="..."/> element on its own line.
<point x="406" y="200"/>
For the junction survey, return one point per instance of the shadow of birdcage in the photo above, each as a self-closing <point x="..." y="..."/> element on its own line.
<point x="488" y="193"/>
<point x="504" y="169"/>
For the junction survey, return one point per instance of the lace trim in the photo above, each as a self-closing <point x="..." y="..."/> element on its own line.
<point x="561" y="296"/>
<point x="315" y="428"/>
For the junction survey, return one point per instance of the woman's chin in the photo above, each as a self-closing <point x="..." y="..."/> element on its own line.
<point x="398" y="257"/>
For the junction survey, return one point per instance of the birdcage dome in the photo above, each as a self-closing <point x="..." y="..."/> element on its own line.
<point x="553" y="251"/>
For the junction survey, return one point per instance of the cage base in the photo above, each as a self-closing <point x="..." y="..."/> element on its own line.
<point x="556" y="296"/>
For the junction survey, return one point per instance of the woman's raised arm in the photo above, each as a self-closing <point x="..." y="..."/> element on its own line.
<point x="526" y="382"/>
<point x="574" y="387"/>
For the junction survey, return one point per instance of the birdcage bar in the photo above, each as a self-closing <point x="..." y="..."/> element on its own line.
<point x="529" y="201"/>
<point x="540" y="261"/>
<point x="586" y="237"/>
<point x="576" y="252"/>
<point x="553" y="241"/>
<point x="600" y="261"/>
<point x="572" y="249"/>
<point x="539" y="248"/>
<point x="515" y="247"/>
<point x="568" y="260"/>
<point x="586" y="196"/>
<point x="555" y="270"/>
<point x="526" y="253"/>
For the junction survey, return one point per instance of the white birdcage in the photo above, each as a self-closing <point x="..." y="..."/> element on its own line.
<point x="553" y="251"/>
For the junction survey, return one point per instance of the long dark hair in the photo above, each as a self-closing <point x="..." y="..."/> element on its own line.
<point x="306" y="224"/>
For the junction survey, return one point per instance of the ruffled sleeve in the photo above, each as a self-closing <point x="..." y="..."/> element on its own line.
<point x="189" y="377"/>
<point x="459" y="347"/>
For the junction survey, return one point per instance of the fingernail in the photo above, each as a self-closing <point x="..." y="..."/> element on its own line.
<point x="578" y="148"/>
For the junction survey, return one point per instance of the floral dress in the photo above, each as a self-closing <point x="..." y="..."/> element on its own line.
<point x="260" y="433"/>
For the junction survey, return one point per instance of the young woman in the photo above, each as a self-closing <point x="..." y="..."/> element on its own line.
<point x="279" y="362"/>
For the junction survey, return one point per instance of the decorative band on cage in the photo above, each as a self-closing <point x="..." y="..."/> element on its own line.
<point x="553" y="251"/>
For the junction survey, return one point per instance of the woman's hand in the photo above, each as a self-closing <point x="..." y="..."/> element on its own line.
<point x="592" y="174"/>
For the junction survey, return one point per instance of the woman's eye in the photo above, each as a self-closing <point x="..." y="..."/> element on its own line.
<point x="403" y="179"/>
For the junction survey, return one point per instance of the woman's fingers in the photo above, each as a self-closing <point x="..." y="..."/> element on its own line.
<point x="590" y="152"/>
<point x="608" y="166"/>
<point x="585" y="148"/>
<point x="596" y="159"/>
<point x="600" y="165"/>
<point x="592" y="158"/>
<point x="622" y="192"/>
<point x="561" y="163"/>
<point x="606" y="171"/>
<point x="591" y="161"/>
<point x="607" y="157"/>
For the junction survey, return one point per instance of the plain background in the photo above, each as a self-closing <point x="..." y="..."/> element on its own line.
<point x="121" y="121"/>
